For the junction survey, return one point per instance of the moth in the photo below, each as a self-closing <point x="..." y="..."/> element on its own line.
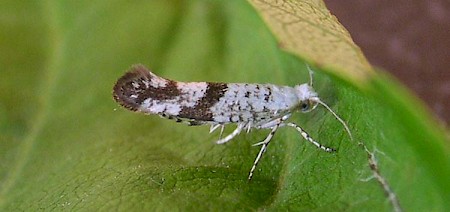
<point x="249" y="106"/>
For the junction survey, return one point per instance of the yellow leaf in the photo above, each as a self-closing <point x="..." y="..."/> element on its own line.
<point x="308" y="30"/>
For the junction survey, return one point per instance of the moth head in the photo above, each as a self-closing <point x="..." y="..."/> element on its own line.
<point x="307" y="97"/>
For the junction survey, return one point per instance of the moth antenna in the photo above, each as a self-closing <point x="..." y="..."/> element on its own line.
<point x="311" y="74"/>
<point x="335" y="115"/>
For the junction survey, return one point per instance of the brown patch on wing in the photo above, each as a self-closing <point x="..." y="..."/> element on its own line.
<point x="136" y="86"/>
<point x="201" y="111"/>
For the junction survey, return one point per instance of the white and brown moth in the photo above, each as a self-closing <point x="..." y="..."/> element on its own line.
<point x="259" y="106"/>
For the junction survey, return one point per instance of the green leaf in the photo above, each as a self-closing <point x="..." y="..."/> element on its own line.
<point x="65" y="144"/>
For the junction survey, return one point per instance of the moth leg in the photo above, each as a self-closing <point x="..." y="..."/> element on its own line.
<point x="231" y="135"/>
<point x="214" y="127"/>
<point x="249" y="126"/>
<point x="221" y="131"/>
<point x="273" y="122"/>
<point x="308" y="138"/>
<point x="264" y="144"/>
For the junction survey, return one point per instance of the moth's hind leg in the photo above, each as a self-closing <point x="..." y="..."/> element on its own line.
<point x="308" y="138"/>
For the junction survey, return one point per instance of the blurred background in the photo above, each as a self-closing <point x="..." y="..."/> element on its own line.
<point x="408" y="38"/>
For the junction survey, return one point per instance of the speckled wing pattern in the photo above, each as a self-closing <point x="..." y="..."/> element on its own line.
<point x="141" y="90"/>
